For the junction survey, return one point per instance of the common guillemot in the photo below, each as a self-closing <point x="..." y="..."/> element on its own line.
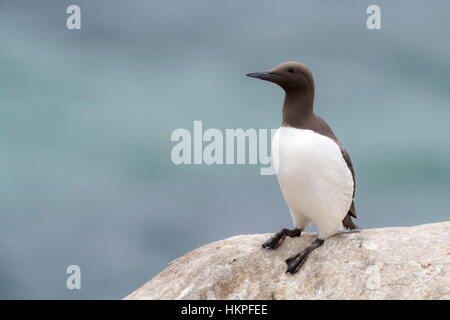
<point x="314" y="170"/>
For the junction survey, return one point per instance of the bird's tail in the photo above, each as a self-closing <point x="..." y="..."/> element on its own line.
<point x="348" y="223"/>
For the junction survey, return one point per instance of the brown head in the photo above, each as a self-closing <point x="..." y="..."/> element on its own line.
<point x="297" y="81"/>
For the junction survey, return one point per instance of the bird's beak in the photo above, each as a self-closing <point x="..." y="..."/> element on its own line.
<point x="262" y="75"/>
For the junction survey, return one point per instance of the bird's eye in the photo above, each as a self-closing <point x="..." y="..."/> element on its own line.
<point x="291" y="69"/>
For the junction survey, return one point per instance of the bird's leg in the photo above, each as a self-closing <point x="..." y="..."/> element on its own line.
<point x="278" y="238"/>
<point x="296" y="262"/>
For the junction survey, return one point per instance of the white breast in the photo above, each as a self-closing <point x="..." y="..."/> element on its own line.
<point x="314" y="179"/>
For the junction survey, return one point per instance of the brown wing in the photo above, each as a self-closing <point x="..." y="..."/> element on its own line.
<point x="347" y="222"/>
<point x="346" y="156"/>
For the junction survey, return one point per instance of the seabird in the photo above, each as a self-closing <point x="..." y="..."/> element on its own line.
<point x="313" y="168"/>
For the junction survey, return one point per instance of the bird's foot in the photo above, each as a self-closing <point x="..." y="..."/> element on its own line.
<point x="295" y="262"/>
<point x="274" y="241"/>
<point x="278" y="238"/>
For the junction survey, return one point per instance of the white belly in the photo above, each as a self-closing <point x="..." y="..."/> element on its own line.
<point x="314" y="179"/>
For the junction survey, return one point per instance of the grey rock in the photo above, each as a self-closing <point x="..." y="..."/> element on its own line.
<point x="387" y="263"/>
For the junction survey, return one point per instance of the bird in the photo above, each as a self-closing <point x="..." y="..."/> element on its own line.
<point x="313" y="168"/>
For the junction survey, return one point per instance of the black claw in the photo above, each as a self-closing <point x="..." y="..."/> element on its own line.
<point x="296" y="262"/>
<point x="272" y="243"/>
<point x="275" y="241"/>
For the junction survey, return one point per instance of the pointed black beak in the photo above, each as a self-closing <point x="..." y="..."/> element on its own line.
<point x="262" y="75"/>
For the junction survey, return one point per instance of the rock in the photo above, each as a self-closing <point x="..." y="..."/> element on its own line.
<point x="387" y="263"/>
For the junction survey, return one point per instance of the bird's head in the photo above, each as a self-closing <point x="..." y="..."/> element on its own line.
<point x="292" y="76"/>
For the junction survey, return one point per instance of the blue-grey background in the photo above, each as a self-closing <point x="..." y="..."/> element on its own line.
<point x="86" y="118"/>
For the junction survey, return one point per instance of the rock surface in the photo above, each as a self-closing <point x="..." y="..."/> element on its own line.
<point x="388" y="263"/>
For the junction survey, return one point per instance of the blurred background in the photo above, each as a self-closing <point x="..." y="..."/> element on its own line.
<point x="86" y="118"/>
